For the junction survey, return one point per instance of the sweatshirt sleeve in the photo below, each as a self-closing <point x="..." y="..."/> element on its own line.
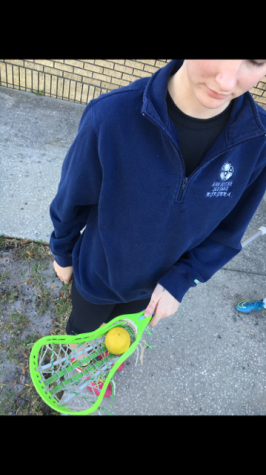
<point x="78" y="189"/>
<point x="224" y="243"/>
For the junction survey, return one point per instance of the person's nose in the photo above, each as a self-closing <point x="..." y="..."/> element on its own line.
<point x="227" y="76"/>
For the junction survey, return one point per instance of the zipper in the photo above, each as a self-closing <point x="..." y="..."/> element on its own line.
<point x="185" y="179"/>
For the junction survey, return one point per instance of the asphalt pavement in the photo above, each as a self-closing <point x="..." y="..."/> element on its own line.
<point x="207" y="359"/>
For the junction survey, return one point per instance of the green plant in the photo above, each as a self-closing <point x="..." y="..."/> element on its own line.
<point x="37" y="92"/>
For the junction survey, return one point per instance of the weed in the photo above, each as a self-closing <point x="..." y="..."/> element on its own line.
<point x="37" y="92"/>
<point x="37" y="256"/>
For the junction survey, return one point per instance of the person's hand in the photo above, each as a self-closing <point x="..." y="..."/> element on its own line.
<point x="162" y="303"/>
<point x="65" y="274"/>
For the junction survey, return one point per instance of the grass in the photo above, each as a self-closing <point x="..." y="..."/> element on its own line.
<point x="13" y="323"/>
<point x="37" y="92"/>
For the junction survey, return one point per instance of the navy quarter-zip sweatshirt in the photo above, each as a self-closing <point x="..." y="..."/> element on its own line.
<point x="146" y="222"/>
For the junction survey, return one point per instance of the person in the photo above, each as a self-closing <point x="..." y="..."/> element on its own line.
<point x="247" y="306"/>
<point x="166" y="174"/>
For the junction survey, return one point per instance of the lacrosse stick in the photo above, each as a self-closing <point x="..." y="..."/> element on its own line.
<point x="261" y="230"/>
<point x="55" y="367"/>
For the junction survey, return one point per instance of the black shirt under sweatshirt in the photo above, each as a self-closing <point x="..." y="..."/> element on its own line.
<point x="196" y="136"/>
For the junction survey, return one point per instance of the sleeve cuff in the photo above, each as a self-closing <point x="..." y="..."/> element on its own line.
<point x="176" y="283"/>
<point x="64" y="261"/>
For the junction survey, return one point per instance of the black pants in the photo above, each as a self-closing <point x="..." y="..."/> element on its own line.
<point x="87" y="317"/>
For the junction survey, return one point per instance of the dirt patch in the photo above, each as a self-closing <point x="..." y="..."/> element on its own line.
<point x="33" y="303"/>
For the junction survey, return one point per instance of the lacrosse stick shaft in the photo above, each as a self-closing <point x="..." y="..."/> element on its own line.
<point x="261" y="230"/>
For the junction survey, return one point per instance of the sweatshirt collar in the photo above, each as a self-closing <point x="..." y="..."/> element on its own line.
<point x="244" y="123"/>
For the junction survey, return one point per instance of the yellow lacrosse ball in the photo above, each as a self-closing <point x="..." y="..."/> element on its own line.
<point x="117" y="341"/>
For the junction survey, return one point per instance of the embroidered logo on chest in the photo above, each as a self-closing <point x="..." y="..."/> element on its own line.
<point x="227" y="171"/>
<point x="222" y="189"/>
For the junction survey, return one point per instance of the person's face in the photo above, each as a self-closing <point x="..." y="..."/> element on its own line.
<point x="216" y="82"/>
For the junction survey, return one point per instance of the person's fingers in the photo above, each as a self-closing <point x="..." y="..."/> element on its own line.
<point x="151" y="307"/>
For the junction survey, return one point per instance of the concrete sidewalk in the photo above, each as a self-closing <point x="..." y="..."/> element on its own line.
<point x="205" y="359"/>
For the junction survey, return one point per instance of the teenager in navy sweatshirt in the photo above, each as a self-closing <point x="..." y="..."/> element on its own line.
<point x="166" y="174"/>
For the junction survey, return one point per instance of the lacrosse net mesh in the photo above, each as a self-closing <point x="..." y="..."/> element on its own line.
<point x="75" y="377"/>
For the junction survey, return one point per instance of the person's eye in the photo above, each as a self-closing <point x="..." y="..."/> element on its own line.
<point x="256" y="63"/>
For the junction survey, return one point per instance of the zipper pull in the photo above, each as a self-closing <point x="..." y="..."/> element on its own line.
<point x="184" y="183"/>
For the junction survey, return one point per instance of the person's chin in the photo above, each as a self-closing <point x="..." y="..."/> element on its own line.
<point x="212" y="103"/>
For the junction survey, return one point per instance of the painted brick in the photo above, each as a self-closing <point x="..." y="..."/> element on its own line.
<point x="34" y="66"/>
<point x="82" y="72"/>
<point x="2" y="65"/>
<point x="78" y="92"/>
<point x="60" y="86"/>
<point x="260" y="99"/>
<point x="74" y="77"/>
<point x="47" y="83"/>
<point x="130" y="78"/>
<point x="22" y="73"/>
<point x="161" y="64"/>
<point x="150" y="69"/>
<point x="120" y="82"/>
<point x="142" y="74"/>
<point x="84" y="93"/>
<point x="28" y="79"/>
<point x="123" y="69"/>
<point x="261" y="85"/>
<point x="91" y="67"/>
<point x="41" y="81"/>
<point x="18" y="62"/>
<point x="66" y="88"/>
<point x="151" y="62"/>
<point x="45" y="62"/>
<point x="63" y="67"/>
<point x="118" y="61"/>
<point x="257" y="92"/>
<point x="9" y="73"/>
<point x="102" y="77"/>
<point x="35" y="81"/>
<point x="91" y="92"/>
<point x="95" y="82"/>
<point x="73" y="62"/>
<point x="104" y="63"/>
<point x="108" y="85"/>
<point x="54" y="85"/>
<point x="112" y="73"/>
<point x="16" y="75"/>
<point x="134" y="64"/>
<point x="97" y="92"/>
<point x="72" y="90"/>
<point x="54" y="72"/>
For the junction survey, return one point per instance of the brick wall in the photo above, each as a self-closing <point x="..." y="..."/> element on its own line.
<point x="76" y="80"/>
<point x="80" y="80"/>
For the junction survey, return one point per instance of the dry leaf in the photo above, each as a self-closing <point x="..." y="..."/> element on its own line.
<point x="52" y="331"/>
<point x="14" y="383"/>
<point x="23" y="370"/>
<point x="52" y="286"/>
<point x="24" y="355"/>
<point x="61" y="293"/>
<point x="29" y="281"/>
<point x="27" y="384"/>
